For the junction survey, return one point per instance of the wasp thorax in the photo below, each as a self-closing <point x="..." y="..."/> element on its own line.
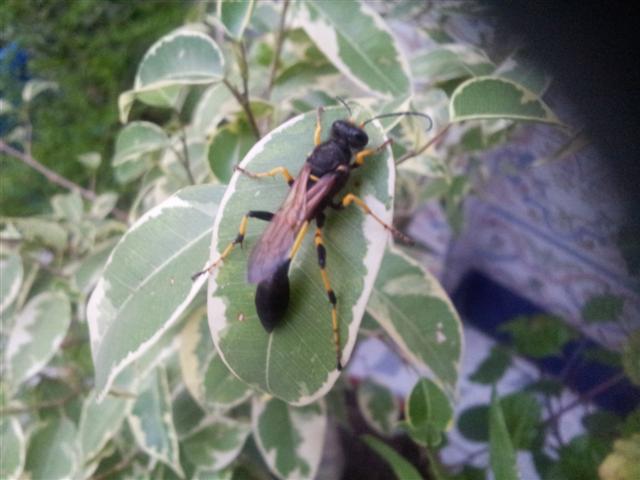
<point x="355" y="137"/>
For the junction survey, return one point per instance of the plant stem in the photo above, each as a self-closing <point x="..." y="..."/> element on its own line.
<point x="276" y="55"/>
<point x="418" y="151"/>
<point x="185" y="157"/>
<point x="54" y="177"/>
<point x="244" y="103"/>
<point x="594" y="392"/>
<point x="118" y="467"/>
<point x="243" y="96"/>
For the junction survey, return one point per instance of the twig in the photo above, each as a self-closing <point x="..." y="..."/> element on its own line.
<point x="413" y="153"/>
<point x="245" y="106"/>
<point x="118" y="467"/>
<point x="54" y="177"/>
<point x="185" y="157"/>
<point x="276" y="55"/>
<point x="594" y="392"/>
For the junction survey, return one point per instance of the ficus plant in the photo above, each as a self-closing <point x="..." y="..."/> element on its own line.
<point x="117" y="364"/>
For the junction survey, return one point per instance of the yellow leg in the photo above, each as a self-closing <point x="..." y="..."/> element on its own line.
<point x="322" y="260"/>
<point x="271" y="173"/>
<point x="266" y="216"/>
<point x="299" y="238"/>
<point x="317" y="135"/>
<point x="360" y="156"/>
<point x="351" y="198"/>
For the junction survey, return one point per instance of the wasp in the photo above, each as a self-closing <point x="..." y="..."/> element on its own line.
<point x="314" y="190"/>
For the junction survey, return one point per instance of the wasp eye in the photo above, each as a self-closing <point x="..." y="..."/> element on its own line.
<point x="359" y="139"/>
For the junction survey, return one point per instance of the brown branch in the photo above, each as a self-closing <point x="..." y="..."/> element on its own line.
<point x="56" y="178"/>
<point x="244" y="103"/>
<point x="276" y="55"/>
<point x="594" y="392"/>
<point x="418" y="151"/>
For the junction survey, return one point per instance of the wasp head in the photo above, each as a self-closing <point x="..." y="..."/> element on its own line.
<point x="346" y="132"/>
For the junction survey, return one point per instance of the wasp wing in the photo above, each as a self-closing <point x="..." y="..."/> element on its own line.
<point x="274" y="246"/>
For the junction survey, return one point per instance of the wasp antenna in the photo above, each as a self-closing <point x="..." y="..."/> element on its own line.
<point x="343" y="102"/>
<point x="397" y="114"/>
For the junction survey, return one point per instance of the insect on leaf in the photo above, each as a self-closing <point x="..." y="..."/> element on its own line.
<point x="296" y="362"/>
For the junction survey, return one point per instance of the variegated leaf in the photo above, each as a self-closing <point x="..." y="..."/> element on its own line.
<point x="359" y="44"/>
<point x="36" y="335"/>
<point x="151" y="422"/>
<point x="216" y="444"/>
<point x="296" y="362"/>
<point x="416" y="312"/>
<point x="146" y="284"/>
<point x="289" y="438"/>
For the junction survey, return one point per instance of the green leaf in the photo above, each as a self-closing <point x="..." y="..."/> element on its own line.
<point x="91" y="160"/>
<point x="580" y="458"/>
<point x="207" y="378"/>
<point x="359" y="44"/>
<point x="538" y="336"/>
<point x="187" y="414"/>
<point x="213" y="106"/>
<point x="99" y="422"/>
<point x="53" y="451"/>
<point x="88" y="271"/>
<point x="521" y="70"/>
<point x="151" y="422"/>
<point x="179" y="59"/>
<point x="235" y="15"/>
<point x="448" y="62"/>
<point x="137" y="140"/>
<point x="603" y="308"/>
<point x="631" y="357"/>
<point x="36" y="335"/>
<point x="39" y="230"/>
<point x="11" y="272"/>
<point x="299" y="78"/>
<point x="401" y="467"/>
<point x="13" y="446"/>
<point x="493" y="98"/>
<point x="173" y="162"/>
<point x="296" y="362"/>
<point x="228" y="146"/>
<point x="624" y="462"/>
<point x="68" y="206"/>
<point x="416" y="312"/>
<point x="502" y="455"/>
<point x="493" y="367"/>
<point x="146" y="284"/>
<point x="290" y="439"/>
<point x="216" y="444"/>
<point x="378" y="406"/>
<point x="521" y="413"/>
<point x="428" y="412"/>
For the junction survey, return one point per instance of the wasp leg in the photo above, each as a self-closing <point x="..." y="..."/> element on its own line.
<point x="260" y="215"/>
<point x="317" y="135"/>
<point x="271" y="173"/>
<point x="351" y="198"/>
<point x="360" y="156"/>
<point x="299" y="238"/>
<point x="322" y="261"/>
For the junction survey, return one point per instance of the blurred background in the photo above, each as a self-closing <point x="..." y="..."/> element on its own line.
<point x="543" y="247"/>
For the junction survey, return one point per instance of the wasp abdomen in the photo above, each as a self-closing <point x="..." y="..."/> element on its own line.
<point x="272" y="297"/>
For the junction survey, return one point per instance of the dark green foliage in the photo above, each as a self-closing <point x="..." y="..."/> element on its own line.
<point x="538" y="335"/>
<point x="92" y="49"/>
<point x="602" y="308"/>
